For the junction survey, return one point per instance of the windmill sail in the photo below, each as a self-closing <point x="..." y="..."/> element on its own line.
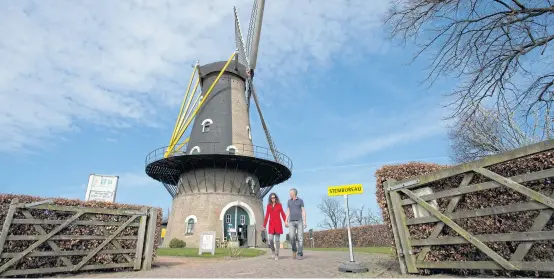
<point x="249" y="55"/>
<point x="254" y="35"/>
<point x="239" y="42"/>
<point x="251" y="24"/>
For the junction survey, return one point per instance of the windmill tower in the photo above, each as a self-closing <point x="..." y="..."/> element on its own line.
<point x="216" y="176"/>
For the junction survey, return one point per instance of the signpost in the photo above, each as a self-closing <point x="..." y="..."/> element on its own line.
<point x="101" y="188"/>
<point x="207" y="243"/>
<point x="346" y="190"/>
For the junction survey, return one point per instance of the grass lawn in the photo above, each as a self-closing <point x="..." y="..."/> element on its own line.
<point x="380" y="250"/>
<point x="219" y="252"/>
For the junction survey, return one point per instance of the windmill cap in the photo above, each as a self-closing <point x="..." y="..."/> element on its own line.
<point x="215" y="68"/>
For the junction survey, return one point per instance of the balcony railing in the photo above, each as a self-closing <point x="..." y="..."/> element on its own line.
<point x="209" y="148"/>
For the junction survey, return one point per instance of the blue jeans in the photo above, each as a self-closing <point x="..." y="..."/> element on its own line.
<point x="296" y="228"/>
<point x="274" y="245"/>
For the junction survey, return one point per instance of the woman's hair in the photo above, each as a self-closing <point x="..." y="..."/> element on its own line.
<point x="276" y="198"/>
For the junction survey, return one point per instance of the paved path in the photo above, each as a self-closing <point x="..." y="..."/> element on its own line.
<point x="314" y="264"/>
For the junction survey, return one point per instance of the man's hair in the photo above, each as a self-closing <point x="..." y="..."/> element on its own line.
<point x="295" y="191"/>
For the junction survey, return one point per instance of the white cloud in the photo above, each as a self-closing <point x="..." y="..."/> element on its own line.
<point x="365" y="165"/>
<point x="365" y="147"/>
<point x="136" y="180"/>
<point x="112" y="140"/>
<point x="116" y="63"/>
<point x="387" y="131"/>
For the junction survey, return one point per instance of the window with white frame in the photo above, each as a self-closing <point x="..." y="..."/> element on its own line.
<point x="250" y="182"/>
<point x="242" y="219"/>
<point x="232" y="149"/>
<point x="249" y="135"/>
<point x="190" y="226"/>
<point x="206" y="125"/>
<point x="196" y="148"/>
<point x="228" y="218"/>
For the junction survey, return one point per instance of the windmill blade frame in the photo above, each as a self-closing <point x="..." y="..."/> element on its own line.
<point x="251" y="24"/>
<point x="250" y="50"/>
<point x="264" y="125"/>
<point x="248" y="55"/>
<point x="254" y="38"/>
<point x="239" y="41"/>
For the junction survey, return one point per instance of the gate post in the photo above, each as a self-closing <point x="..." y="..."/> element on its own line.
<point x="399" y="252"/>
<point x="150" y="238"/>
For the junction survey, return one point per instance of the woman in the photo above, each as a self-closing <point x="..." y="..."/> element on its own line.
<point x="274" y="212"/>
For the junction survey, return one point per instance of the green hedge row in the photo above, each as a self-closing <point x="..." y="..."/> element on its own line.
<point x="363" y="236"/>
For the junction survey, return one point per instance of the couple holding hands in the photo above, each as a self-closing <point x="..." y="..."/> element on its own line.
<point x="295" y="220"/>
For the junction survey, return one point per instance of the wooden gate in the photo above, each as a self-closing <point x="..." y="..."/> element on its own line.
<point x="412" y="252"/>
<point x="47" y="239"/>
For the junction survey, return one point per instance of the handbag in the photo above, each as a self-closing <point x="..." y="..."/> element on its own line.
<point x="264" y="236"/>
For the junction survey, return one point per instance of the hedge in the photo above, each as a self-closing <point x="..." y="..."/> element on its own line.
<point x="69" y="245"/>
<point x="503" y="223"/>
<point x="363" y="236"/>
<point x="398" y="172"/>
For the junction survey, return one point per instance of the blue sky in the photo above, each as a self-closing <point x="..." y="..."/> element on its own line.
<point x="94" y="86"/>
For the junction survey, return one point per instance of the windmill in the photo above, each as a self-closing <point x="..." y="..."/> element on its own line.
<point x="216" y="176"/>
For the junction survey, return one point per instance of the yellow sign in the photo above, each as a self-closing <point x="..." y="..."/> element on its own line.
<point x="163" y="233"/>
<point x="352" y="189"/>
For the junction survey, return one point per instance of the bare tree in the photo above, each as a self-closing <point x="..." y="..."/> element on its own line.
<point x="363" y="217"/>
<point x="488" y="132"/>
<point x="501" y="49"/>
<point x="334" y="212"/>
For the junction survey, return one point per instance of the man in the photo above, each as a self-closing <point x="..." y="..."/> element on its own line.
<point x="296" y="222"/>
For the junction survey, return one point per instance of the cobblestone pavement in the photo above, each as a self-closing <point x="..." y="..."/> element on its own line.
<point x="314" y="264"/>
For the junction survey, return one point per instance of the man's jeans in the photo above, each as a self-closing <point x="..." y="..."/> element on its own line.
<point x="296" y="228"/>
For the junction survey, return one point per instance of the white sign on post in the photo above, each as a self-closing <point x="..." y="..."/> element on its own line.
<point x="101" y="188"/>
<point x="207" y="243"/>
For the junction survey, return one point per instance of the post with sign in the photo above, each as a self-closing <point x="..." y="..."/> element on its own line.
<point x="346" y="190"/>
<point x="101" y="188"/>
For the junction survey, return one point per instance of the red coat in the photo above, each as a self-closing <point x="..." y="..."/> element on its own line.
<point x="275" y="224"/>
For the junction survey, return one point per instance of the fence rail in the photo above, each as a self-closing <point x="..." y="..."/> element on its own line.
<point x="412" y="252"/>
<point x="140" y="257"/>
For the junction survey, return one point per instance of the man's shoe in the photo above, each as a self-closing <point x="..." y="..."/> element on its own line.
<point x="299" y="257"/>
<point x="294" y="255"/>
<point x="276" y="257"/>
<point x="272" y="255"/>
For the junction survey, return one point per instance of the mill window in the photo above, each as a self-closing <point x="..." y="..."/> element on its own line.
<point x="206" y="125"/>
<point x="232" y="149"/>
<point x="190" y="226"/>
<point x="250" y="182"/>
<point x="196" y="148"/>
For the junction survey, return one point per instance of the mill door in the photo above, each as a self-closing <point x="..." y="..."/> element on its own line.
<point x="236" y="221"/>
